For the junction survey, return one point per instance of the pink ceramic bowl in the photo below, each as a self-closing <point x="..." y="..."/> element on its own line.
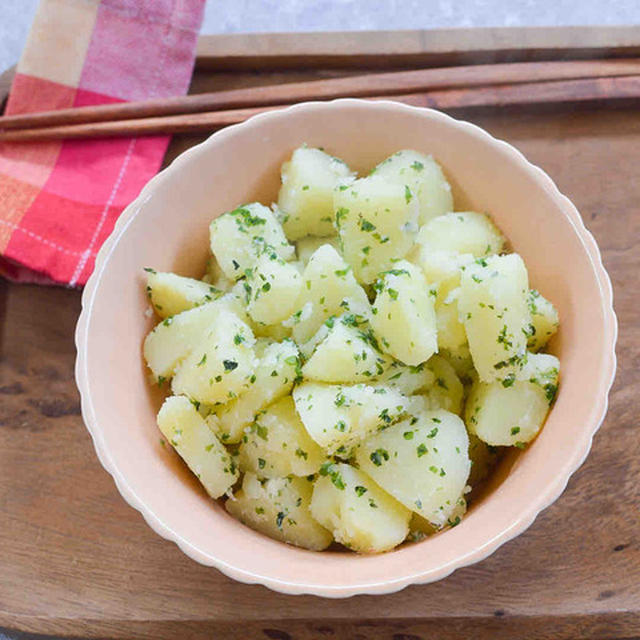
<point x="167" y="227"/>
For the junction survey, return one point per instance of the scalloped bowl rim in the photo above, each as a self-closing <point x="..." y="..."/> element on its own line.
<point x="552" y="491"/>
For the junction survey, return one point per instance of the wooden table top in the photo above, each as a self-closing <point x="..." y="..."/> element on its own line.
<point x="76" y="560"/>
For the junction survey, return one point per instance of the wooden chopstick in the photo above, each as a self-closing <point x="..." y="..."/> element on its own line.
<point x="565" y="91"/>
<point x="381" y="84"/>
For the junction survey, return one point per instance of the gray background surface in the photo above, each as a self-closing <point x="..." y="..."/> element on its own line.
<point x="234" y="16"/>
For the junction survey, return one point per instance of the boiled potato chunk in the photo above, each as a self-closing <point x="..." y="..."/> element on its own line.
<point x="279" y="508"/>
<point x="446" y="390"/>
<point x="377" y="222"/>
<point x="338" y="416"/>
<point x="307" y="246"/>
<point x="512" y="411"/>
<point x="462" y="232"/>
<point x="220" y="363"/>
<point x="483" y="459"/>
<point x="451" y="332"/>
<point x="423" y="462"/>
<point x="306" y="194"/>
<point x="328" y="289"/>
<point x="441" y="269"/>
<point x="238" y="237"/>
<point x="425" y="178"/>
<point x="197" y="445"/>
<point x="348" y="353"/>
<point x="214" y="276"/>
<point x="420" y="528"/>
<point x="171" y="294"/>
<point x="274" y="288"/>
<point x="407" y="379"/>
<point x="360" y="514"/>
<point x="174" y="338"/>
<point x="461" y="362"/>
<point x="271" y="378"/>
<point x="544" y="320"/>
<point x="403" y="317"/>
<point x="493" y="302"/>
<point x="278" y="445"/>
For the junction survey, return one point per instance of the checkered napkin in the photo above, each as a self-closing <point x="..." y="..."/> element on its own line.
<point x="60" y="200"/>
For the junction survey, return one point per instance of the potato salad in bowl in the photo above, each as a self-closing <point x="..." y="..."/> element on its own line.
<point x="356" y="357"/>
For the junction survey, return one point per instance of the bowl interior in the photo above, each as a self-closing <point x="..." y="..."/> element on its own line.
<point x="168" y="230"/>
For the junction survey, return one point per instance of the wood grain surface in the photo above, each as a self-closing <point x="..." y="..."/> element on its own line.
<point x="76" y="560"/>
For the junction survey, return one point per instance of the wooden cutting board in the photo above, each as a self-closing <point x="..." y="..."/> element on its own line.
<point x="76" y="560"/>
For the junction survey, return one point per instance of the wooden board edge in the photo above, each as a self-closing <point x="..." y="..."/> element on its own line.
<point x="497" y="625"/>
<point x="437" y="47"/>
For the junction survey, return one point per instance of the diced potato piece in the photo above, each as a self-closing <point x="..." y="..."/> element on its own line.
<point x="435" y="382"/>
<point x="451" y="332"/>
<point x="174" y="338"/>
<point x="424" y="465"/>
<point x="307" y="246"/>
<point x="197" y="445"/>
<point x="270" y="379"/>
<point x="446" y="391"/>
<point x="279" y="508"/>
<point x="462" y="232"/>
<point x="275" y="286"/>
<point x="328" y="288"/>
<point x="407" y="379"/>
<point x="421" y="528"/>
<point x="461" y="362"/>
<point x="277" y="332"/>
<point x="424" y="177"/>
<point x="238" y="237"/>
<point x="338" y="416"/>
<point x="348" y="353"/>
<point x="278" y="445"/>
<point x="403" y="317"/>
<point x="306" y="194"/>
<point x="171" y="294"/>
<point x="215" y="276"/>
<point x="483" y="459"/>
<point x="377" y="222"/>
<point x="360" y="514"/>
<point x="494" y="308"/>
<point x="544" y="321"/>
<point x="512" y="411"/>
<point x="441" y="269"/>
<point x="307" y="348"/>
<point x="220" y="363"/>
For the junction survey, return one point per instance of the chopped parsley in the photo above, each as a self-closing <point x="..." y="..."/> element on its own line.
<point x="379" y="456"/>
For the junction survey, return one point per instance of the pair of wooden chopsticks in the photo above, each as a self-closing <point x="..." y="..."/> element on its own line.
<point x="518" y="83"/>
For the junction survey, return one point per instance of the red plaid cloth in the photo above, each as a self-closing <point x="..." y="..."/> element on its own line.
<point x="60" y="200"/>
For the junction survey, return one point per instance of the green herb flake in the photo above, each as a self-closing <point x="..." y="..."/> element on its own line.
<point x="365" y="225"/>
<point x="202" y="360"/>
<point x="421" y="449"/>
<point x="360" y="490"/>
<point x="379" y="456"/>
<point x="230" y="365"/>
